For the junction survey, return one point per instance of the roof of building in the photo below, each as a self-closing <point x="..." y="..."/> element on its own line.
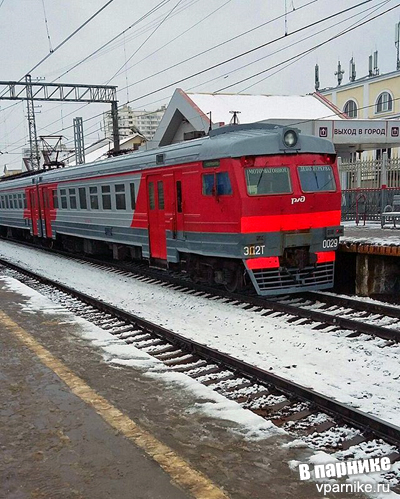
<point x="253" y="108"/>
<point x="99" y="150"/>
<point x="194" y="109"/>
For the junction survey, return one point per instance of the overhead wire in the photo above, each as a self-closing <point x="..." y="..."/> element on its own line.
<point x="308" y="50"/>
<point x="148" y="13"/>
<point x="145" y="41"/>
<point x="247" y="52"/>
<point x="240" y="55"/>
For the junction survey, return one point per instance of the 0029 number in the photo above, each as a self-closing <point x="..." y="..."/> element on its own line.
<point x="254" y="250"/>
<point x="330" y="243"/>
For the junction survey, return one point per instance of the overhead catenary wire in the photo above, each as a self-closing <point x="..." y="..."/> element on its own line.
<point x="145" y="41"/>
<point x="254" y="49"/>
<point x="148" y="13"/>
<point x="240" y="55"/>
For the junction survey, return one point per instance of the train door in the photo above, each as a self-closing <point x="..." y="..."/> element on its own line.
<point x="156" y="211"/>
<point x="45" y="203"/>
<point x="35" y="214"/>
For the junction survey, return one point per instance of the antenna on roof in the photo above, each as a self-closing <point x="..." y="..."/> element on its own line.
<point x="352" y="70"/>
<point x="316" y="77"/>
<point x="339" y="73"/>
<point x="234" y="119"/>
<point x="376" y="70"/>
<point x="370" y="71"/>
<point x="397" y="44"/>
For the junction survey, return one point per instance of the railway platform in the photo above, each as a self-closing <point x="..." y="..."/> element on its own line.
<point x="369" y="257"/>
<point x="75" y="425"/>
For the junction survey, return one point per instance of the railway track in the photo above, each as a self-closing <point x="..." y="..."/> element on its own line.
<point x="321" y="311"/>
<point x="321" y="422"/>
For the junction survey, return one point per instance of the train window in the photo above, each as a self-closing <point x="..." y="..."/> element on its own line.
<point x="7" y="203"/>
<point x="160" y="194"/>
<point x="11" y="202"/>
<point x="55" y="198"/>
<point x="16" y="201"/>
<point x="179" y="196"/>
<point x="224" y="187"/>
<point x="2" y="202"/>
<point x="94" y="200"/>
<point x="120" y="201"/>
<point x="264" y="181"/>
<point x="152" y="201"/>
<point x="20" y="201"/>
<point x="219" y="184"/>
<point x="208" y="184"/>
<point x="24" y="201"/>
<point x="63" y="197"/>
<point x="82" y="198"/>
<point x="316" y="178"/>
<point x="133" y="199"/>
<point x="72" y="199"/>
<point x="106" y="197"/>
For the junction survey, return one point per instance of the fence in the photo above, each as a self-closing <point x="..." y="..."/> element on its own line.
<point x="368" y="186"/>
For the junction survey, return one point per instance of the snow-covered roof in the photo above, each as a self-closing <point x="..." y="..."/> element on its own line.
<point x="262" y="107"/>
<point x="189" y="112"/>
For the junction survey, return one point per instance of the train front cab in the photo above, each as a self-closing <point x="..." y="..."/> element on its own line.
<point x="290" y="222"/>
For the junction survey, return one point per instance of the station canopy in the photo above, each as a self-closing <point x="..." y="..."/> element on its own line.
<point x="189" y="115"/>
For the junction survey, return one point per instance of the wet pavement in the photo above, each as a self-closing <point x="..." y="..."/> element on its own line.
<point x="54" y="445"/>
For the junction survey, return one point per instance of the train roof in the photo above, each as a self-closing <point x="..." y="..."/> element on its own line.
<point x="255" y="139"/>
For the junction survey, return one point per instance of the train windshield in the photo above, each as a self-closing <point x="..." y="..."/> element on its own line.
<point x="317" y="178"/>
<point x="264" y="181"/>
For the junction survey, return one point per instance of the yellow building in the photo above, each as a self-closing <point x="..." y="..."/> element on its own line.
<point x="371" y="97"/>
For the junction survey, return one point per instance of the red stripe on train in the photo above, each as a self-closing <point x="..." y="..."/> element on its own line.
<point x="325" y="256"/>
<point x="293" y="221"/>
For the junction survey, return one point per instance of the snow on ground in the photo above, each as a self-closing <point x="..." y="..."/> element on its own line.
<point x="117" y="352"/>
<point x="358" y="371"/>
<point x="371" y="233"/>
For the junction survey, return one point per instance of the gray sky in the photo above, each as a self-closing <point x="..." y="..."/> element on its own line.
<point x="24" y="42"/>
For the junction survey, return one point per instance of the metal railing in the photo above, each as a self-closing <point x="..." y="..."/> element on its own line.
<point x="368" y="186"/>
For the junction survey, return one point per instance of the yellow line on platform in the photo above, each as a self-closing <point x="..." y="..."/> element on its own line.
<point x="180" y="471"/>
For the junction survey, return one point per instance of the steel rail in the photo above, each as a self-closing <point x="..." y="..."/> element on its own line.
<point x="358" y="327"/>
<point x="365" y="422"/>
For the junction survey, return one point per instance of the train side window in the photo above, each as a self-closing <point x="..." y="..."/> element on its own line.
<point x="20" y="201"/>
<point x="55" y="198"/>
<point x="2" y="202"/>
<point x="133" y="199"/>
<point x="106" y="197"/>
<point x="120" y="201"/>
<point x="160" y="194"/>
<point x="63" y="197"/>
<point x="11" y="202"/>
<point x="6" y="200"/>
<point x="208" y="184"/>
<point x="72" y="199"/>
<point x="94" y="200"/>
<point x="179" y="196"/>
<point x="15" y="202"/>
<point x="152" y="201"/>
<point x="82" y="198"/>
<point x="224" y="187"/>
<point x="24" y="201"/>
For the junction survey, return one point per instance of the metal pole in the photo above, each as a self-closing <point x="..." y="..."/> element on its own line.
<point x="384" y="181"/>
<point x="33" y="142"/>
<point x="79" y="142"/>
<point x="114" y="117"/>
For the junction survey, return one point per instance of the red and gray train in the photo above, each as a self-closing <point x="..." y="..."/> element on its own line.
<point x="252" y="203"/>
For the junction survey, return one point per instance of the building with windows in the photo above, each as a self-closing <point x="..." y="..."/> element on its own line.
<point x="372" y="97"/>
<point x="130" y="121"/>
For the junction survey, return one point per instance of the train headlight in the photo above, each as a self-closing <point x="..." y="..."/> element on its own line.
<point x="290" y="138"/>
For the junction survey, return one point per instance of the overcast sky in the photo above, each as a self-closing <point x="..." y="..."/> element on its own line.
<point x="24" y="42"/>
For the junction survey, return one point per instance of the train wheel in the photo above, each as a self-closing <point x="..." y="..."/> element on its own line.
<point x="235" y="283"/>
